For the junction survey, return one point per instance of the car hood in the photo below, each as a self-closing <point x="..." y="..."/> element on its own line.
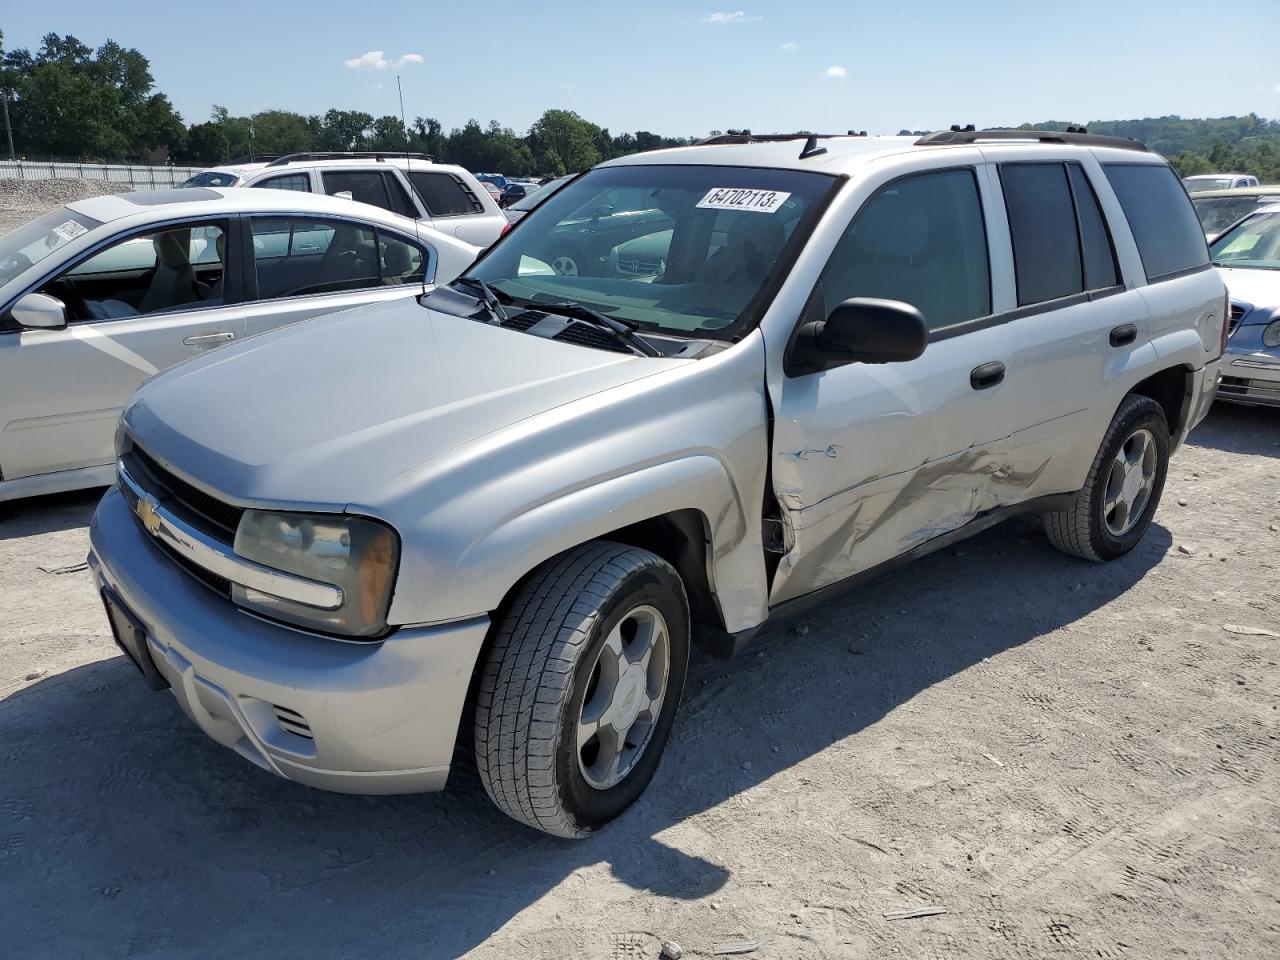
<point x="1258" y="288"/>
<point x="328" y="411"/>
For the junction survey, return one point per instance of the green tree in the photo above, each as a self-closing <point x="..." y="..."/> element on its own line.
<point x="344" y="130"/>
<point x="206" y="143"/>
<point x="566" y="136"/>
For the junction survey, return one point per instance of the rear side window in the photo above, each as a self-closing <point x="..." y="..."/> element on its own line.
<point x="920" y="240"/>
<point x="364" y="186"/>
<point x="444" y="195"/>
<point x="290" y="181"/>
<point x="1042" y="221"/>
<point x="400" y="261"/>
<point x="400" y="201"/>
<point x="296" y="257"/>
<point x="1163" y="222"/>
<point x="1096" y="248"/>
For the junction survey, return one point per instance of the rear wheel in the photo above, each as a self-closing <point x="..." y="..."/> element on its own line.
<point x="581" y="687"/>
<point x="1113" y="509"/>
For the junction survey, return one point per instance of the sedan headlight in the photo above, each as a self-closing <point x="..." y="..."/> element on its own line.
<point x="1271" y="335"/>
<point x="356" y="555"/>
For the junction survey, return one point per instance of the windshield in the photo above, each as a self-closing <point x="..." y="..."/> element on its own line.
<point x="538" y="194"/>
<point x="211" y="178"/>
<point x="1197" y="184"/>
<point x="682" y="249"/>
<point x="31" y="243"/>
<point x="1254" y="243"/>
<point x="1218" y="213"/>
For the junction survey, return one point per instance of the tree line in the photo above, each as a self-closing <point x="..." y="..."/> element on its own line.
<point x="69" y="101"/>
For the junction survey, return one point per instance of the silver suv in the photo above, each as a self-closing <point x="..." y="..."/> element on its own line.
<point x="440" y="195"/>
<point x="503" y="514"/>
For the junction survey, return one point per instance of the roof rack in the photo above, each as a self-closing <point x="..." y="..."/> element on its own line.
<point x="810" y="148"/>
<point x="252" y="158"/>
<point x="378" y="155"/>
<point x="1076" y="135"/>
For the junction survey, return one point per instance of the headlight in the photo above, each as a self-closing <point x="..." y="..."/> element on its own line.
<point x="355" y="554"/>
<point x="1271" y="335"/>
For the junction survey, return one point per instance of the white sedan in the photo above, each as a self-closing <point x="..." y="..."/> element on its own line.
<point x="99" y="295"/>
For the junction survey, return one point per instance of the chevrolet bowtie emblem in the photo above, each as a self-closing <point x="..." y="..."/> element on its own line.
<point x="149" y="514"/>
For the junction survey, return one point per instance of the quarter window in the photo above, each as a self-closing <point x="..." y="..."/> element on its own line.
<point x="920" y="240"/>
<point x="290" y="181"/>
<point x="1160" y="214"/>
<point x="444" y="195"/>
<point x="295" y="257"/>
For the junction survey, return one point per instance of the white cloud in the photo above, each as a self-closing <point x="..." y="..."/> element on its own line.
<point x="834" y="72"/>
<point x="790" y="47"/>
<point x="376" y="60"/>
<point x="724" y="16"/>
<point x="1276" y="88"/>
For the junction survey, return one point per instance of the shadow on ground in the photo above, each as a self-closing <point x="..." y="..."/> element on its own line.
<point x="1232" y="428"/>
<point x="124" y="832"/>
<point x="48" y="514"/>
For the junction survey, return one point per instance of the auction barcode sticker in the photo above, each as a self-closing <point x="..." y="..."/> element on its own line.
<point x="70" y="230"/>
<point x="741" y="198"/>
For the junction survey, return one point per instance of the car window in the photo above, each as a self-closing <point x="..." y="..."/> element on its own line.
<point x="400" y="261"/>
<point x="1160" y="214"/>
<point x="1253" y="243"/>
<point x="365" y="186"/>
<point x="920" y="240"/>
<point x="211" y="178"/>
<point x="32" y="242"/>
<point x="179" y="268"/>
<point x="299" y="256"/>
<point x="1218" y="213"/>
<point x="289" y="181"/>
<point x="1042" y="225"/>
<point x="445" y="195"/>
<point x="400" y="201"/>
<point x="1100" y="269"/>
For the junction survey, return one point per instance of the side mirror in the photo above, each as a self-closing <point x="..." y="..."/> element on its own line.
<point x="344" y="195"/>
<point x="39" y="311"/>
<point x="861" y="330"/>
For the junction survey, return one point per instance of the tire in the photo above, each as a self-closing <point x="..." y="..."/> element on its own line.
<point x="1090" y="528"/>
<point x="548" y="670"/>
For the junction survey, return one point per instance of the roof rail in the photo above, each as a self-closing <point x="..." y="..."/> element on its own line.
<point x="378" y="155"/>
<point x="1075" y="135"/>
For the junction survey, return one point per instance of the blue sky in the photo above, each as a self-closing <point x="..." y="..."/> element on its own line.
<point x="686" y="68"/>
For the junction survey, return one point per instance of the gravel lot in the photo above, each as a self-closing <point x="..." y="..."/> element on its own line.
<point x="1072" y="760"/>
<point x="21" y="200"/>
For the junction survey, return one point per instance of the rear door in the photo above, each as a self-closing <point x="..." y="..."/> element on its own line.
<point x="135" y="307"/>
<point x="301" y="267"/>
<point x="872" y="460"/>
<point x="1074" y="325"/>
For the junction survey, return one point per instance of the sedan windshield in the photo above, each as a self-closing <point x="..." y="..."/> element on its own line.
<point x="211" y="178"/>
<point x="1253" y="243"/>
<point x="1218" y="213"/>
<point x="681" y="249"/>
<point x="31" y="243"/>
<point x="1197" y="184"/>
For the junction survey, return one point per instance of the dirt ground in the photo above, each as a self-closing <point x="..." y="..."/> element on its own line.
<point x="1070" y="760"/>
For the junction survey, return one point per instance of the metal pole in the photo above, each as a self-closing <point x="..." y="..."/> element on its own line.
<point x="8" y="130"/>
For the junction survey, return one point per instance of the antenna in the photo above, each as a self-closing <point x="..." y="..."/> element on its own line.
<point x="408" y="168"/>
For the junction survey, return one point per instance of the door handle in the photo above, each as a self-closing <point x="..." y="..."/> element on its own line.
<point x="202" y="338"/>
<point x="1123" y="334"/>
<point x="987" y="375"/>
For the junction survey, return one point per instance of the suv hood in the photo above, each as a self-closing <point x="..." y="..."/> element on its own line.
<point x="1256" y="287"/>
<point x="326" y="411"/>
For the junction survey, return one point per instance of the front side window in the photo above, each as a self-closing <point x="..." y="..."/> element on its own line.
<point x="290" y="181"/>
<point x="444" y="195"/>
<point x="1254" y="243"/>
<point x="297" y="256"/>
<point x="1164" y="224"/>
<point x="684" y="249"/>
<point x="179" y="268"/>
<point x="365" y="186"/>
<point x="920" y="240"/>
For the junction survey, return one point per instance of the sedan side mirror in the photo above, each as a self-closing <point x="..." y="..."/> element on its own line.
<point x="39" y="311"/>
<point x="861" y="330"/>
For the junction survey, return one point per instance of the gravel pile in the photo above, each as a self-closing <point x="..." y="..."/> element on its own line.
<point x="43" y="194"/>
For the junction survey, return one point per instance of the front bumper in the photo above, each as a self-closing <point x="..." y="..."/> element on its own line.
<point x="1251" y="377"/>
<point x="352" y="717"/>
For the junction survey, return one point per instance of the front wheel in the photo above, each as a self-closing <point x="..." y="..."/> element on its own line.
<point x="581" y="687"/>
<point x="1113" y="509"/>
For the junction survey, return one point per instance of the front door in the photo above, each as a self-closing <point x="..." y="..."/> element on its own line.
<point x="135" y="307"/>
<point x="872" y="460"/>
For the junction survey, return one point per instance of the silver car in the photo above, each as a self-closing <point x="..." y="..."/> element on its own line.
<point x="506" y="512"/>
<point x="99" y="295"/>
<point x="1248" y="259"/>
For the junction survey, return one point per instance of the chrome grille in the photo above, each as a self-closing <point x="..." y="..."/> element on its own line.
<point x="213" y="516"/>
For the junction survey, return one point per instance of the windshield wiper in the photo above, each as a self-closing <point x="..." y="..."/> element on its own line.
<point x="624" y="330"/>
<point x="487" y="296"/>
